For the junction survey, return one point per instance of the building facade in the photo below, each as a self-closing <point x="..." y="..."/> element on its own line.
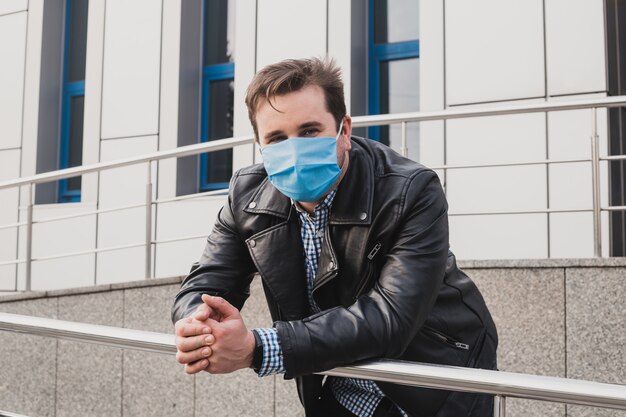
<point x="83" y="82"/>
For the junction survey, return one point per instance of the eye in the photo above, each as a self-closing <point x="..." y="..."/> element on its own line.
<point x="310" y="132"/>
<point x="276" y="139"/>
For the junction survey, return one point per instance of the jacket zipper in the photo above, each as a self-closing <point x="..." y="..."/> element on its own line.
<point x="365" y="280"/>
<point x="445" y="338"/>
<point x="374" y="251"/>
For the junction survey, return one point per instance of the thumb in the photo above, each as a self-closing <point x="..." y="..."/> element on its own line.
<point x="221" y="306"/>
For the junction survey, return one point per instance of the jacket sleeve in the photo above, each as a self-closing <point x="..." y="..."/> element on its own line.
<point x="225" y="268"/>
<point x="382" y="322"/>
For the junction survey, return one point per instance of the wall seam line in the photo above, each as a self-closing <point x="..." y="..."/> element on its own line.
<point x="547" y="141"/>
<point x="565" y="351"/>
<point x="122" y="356"/>
<point x="56" y="365"/>
<point x="15" y="12"/>
<point x="132" y="136"/>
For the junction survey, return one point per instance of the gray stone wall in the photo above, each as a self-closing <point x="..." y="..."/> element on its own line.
<point x="559" y="318"/>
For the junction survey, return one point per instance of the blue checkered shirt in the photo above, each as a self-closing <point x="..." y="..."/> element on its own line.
<point x="361" y="397"/>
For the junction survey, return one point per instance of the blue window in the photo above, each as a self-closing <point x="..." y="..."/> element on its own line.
<point x="73" y="96"/>
<point x="217" y="92"/>
<point x="393" y="47"/>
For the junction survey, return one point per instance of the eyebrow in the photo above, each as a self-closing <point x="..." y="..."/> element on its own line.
<point x="304" y="125"/>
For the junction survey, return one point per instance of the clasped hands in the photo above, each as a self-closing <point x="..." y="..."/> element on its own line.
<point x="214" y="338"/>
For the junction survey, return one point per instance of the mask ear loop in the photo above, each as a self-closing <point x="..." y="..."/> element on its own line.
<point x="340" y="130"/>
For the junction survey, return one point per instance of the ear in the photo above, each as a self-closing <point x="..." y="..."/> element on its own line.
<point x="347" y="131"/>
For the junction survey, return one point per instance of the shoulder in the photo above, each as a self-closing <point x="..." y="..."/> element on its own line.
<point x="388" y="163"/>
<point x="245" y="182"/>
<point x="246" y="177"/>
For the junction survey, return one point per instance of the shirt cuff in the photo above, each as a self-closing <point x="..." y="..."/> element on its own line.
<point x="272" y="352"/>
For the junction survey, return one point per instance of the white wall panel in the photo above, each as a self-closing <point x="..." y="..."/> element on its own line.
<point x="290" y="29"/>
<point x="130" y="96"/>
<point x="498" y="139"/>
<point x="52" y="274"/>
<point x="13" y="52"/>
<point x="120" y="187"/>
<point x="340" y="42"/>
<point x="180" y="219"/>
<point x="432" y="143"/>
<point x="569" y="133"/>
<point x="9" y="169"/>
<point x="121" y="266"/>
<point x="12" y="6"/>
<point x="63" y="236"/>
<point x="60" y="237"/>
<point x="570" y="186"/>
<point x="571" y="235"/>
<point x="32" y="88"/>
<point x="93" y="98"/>
<point x="496" y="189"/>
<point x="569" y="137"/>
<point x="124" y="227"/>
<point x="175" y="258"/>
<point x="245" y="67"/>
<point x="169" y="106"/>
<point x="188" y="217"/>
<point x="575" y="46"/>
<point x="494" y="50"/>
<point x="499" y="237"/>
<point x="126" y="185"/>
<point x="432" y="47"/>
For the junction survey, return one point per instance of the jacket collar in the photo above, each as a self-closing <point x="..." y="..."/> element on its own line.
<point x="353" y="202"/>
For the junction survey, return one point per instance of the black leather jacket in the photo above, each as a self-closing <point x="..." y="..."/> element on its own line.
<point x="386" y="281"/>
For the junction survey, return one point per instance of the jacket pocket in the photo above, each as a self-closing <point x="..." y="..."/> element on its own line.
<point x="444" y="338"/>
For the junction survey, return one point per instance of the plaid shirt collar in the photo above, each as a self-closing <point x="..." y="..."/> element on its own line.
<point x="325" y="204"/>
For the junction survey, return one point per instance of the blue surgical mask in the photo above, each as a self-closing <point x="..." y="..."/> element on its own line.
<point x="303" y="169"/>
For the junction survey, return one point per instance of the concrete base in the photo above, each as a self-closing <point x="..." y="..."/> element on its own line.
<point x="561" y="318"/>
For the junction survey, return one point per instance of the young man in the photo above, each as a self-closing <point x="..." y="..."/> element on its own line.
<point x="351" y="243"/>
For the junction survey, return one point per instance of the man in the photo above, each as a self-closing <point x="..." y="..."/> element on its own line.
<point x="351" y="243"/>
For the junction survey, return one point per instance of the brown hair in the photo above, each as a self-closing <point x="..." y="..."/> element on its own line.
<point x="292" y="75"/>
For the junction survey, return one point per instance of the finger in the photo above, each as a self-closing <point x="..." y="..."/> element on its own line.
<point x="192" y="329"/>
<point x="203" y="312"/>
<point x="187" y="344"/>
<point x="221" y="306"/>
<point x="194" y="355"/>
<point x="194" y="368"/>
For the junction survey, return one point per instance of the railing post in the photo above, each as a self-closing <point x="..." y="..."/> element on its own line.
<point x="595" y="176"/>
<point x="404" y="149"/>
<point x="499" y="406"/>
<point x="148" y="266"/>
<point x="29" y="237"/>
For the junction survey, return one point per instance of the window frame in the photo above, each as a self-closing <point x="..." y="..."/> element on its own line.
<point x="377" y="54"/>
<point x="211" y="73"/>
<point x="69" y="90"/>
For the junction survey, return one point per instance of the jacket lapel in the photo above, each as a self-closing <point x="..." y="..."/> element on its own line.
<point x="278" y="255"/>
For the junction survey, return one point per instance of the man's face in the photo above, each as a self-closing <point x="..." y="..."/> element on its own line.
<point x="301" y="113"/>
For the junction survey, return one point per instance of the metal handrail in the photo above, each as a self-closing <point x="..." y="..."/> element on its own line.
<point x="502" y="384"/>
<point x="360" y="121"/>
<point x="9" y="414"/>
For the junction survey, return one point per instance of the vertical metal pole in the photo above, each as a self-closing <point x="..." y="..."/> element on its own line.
<point x="499" y="406"/>
<point x="404" y="149"/>
<point x="148" y="267"/>
<point x="595" y="176"/>
<point x="29" y="236"/>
